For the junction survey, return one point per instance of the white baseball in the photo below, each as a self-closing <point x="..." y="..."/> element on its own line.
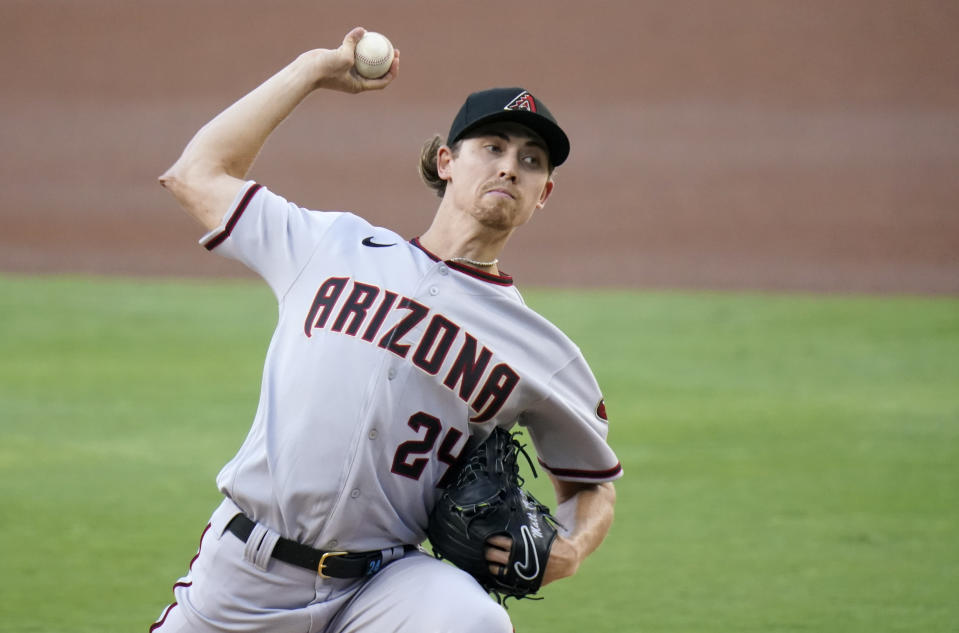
<point x="373" y="56"/>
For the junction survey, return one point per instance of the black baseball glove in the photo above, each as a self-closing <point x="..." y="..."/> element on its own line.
<point x="486" y="499"/>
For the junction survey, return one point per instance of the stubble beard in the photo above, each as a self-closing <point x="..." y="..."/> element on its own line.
<point x="496" y="212"/>
<point x="496" y="216"/>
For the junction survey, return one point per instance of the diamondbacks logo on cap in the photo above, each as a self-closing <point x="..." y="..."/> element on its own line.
<point x="522" y="102"/>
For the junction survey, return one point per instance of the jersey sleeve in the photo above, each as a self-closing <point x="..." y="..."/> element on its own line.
<point x="569" y="428"/>
<point x="271" y="236"/>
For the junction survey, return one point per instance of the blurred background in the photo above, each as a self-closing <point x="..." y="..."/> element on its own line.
<point x="790" y="456"/>
<point x="742" y="144"/>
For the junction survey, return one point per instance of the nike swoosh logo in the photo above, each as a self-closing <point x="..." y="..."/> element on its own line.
<point x="531" y="561"/>
<point x="369" y="242"/>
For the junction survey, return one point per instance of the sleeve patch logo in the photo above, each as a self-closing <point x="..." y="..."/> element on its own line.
<point x="601" y="410"/>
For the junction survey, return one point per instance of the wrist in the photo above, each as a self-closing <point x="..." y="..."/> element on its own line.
<point x="309" y="70"/>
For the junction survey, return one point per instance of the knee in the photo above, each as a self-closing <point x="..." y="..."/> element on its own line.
<point x="425" y="595"/>
<point x="486" y="617"/>
<point x="467" y="608"/>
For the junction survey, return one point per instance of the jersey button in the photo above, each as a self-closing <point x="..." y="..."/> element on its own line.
<point x="373" y="434"/>
<point x="332" y="544"/>
<point x="391" y="374"/>
<point x="434" y="290"/>
<point x="355" y="493"/>
<point x="444" y="270"/>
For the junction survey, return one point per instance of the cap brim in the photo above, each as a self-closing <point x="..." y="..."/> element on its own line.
<point x="557" y="143"/>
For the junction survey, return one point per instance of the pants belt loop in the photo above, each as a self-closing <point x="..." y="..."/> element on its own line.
<point x="259" y="547"/>
<point x="393" y="553"/>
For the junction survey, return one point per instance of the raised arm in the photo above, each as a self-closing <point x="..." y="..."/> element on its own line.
<point x="211" y="170"/>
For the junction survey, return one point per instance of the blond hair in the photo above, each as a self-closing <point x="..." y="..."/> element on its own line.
<point x="428" y="170"/>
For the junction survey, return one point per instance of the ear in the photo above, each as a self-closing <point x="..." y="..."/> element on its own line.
<point x="547" y="190"/>
<point x="444" y="157"/>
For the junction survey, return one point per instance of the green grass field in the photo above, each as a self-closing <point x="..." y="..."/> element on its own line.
<point x="792" y="462"/>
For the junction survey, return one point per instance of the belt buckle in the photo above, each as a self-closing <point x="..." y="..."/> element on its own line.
<point x="322" y="564"/>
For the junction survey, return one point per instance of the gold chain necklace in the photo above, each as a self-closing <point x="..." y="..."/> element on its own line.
<point x="473" y="262"/>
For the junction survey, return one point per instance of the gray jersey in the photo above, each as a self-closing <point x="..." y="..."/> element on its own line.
<point x="385" y="360"/>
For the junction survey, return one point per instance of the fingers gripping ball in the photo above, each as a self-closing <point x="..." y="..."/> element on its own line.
<point x="373" y="55"/>
<point x="486" y="499"/>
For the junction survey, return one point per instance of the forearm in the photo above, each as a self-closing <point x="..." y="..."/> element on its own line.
<point x="586" y="511"/>
<point x="212" y="166"/>
<point x="232" y="140"/>
<point x="211" y="169"/>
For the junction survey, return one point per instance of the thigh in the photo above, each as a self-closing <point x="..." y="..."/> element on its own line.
<point x="225" y="592"/>
<point x="420" y="593"/>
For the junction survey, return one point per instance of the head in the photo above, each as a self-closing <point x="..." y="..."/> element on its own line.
<point x="495" y="105"/>
<point x="499" y="173"/>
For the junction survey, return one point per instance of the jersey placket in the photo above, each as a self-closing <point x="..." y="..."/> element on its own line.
<point x="391" y="373"/>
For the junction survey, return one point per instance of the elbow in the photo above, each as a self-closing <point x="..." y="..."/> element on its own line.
<point x="608" y="493"/>
<point x="185" y="178"/>
<point x="174" y="179"/>
<point x="167" y="179"/>
<point x="184" y="184"/>
<point x="566" y="490"/>
<point x="189" y="168"/>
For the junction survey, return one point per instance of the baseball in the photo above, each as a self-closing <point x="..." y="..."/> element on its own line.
<point x="373" y="56"/>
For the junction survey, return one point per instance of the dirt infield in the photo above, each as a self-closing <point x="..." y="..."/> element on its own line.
<point x="763" y="144"/>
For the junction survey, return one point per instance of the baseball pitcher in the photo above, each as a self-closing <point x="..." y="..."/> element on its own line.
<point x="393" y="378"/>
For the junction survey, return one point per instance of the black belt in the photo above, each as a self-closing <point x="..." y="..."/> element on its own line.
<point x="326" y="564"/>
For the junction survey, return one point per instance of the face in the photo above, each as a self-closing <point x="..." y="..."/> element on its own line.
<point x="500" y="175"/>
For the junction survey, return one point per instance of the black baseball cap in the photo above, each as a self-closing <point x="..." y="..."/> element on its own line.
<point x="511" y="104"/>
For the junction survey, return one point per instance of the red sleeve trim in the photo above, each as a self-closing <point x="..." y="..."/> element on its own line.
<point x="234" y="218"/>
<point x="613" y="472"/>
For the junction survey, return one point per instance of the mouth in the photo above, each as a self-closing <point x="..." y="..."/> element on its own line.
<point x="501" y="192"/>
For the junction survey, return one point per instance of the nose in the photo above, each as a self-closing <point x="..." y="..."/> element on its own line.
<point x="509" y="167"/>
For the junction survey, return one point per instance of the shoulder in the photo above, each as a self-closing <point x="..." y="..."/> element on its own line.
<point x="540" y="323"/>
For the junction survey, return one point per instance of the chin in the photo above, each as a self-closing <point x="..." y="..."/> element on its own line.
<point x="503" y="215"/>
<point x="495" y="218"/>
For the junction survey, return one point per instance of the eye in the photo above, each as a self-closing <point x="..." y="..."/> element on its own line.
<point x="533" y="160"/>
<point x="492" y="147"/>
